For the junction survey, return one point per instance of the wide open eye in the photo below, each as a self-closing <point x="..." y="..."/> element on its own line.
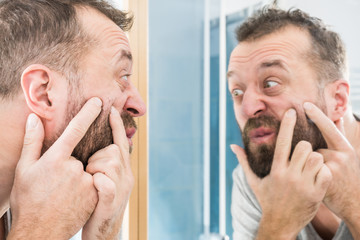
<point x="237" y="92"/>
<point x="269" y="84"/>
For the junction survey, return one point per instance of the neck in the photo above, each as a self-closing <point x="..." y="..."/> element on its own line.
<point x="12" y="128"/>
<point x="325" y="223"/>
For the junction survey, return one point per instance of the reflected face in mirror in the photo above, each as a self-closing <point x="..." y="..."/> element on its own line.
<point x="268" y="76"/>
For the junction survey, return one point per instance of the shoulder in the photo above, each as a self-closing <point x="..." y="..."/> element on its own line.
<point x="245" y="210"/>
<point x="240" y="182"/>
<point x="243" y="198"/>
<point x="343" y="232"/>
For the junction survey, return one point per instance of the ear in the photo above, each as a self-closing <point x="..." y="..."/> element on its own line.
<point x="36" y="82"/>
<point x="337" y="99"/>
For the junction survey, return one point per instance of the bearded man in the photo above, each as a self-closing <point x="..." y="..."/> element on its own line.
<point x="299" y="174"/>
<point x="65" y="74"/>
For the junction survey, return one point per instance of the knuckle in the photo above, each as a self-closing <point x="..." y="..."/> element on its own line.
<point x="77" y="129"/>
<point x="339" y="157"/>
<point x="277" y="175"/>
<point x="293" y="180"/>
<point x="94" y="197"/>
<point x="324" y="176"/>
<point x="109" y="191"/>
<point x="113" y="149"/>
<point x="327" y="174"/>
<point x="314" y="159"/>
<point x="281" y="143"/>
<point x="112" y="162"/>
<point x="76" y="166"/>
<point x="316" y="155"/>
<point x="303" y="145"/>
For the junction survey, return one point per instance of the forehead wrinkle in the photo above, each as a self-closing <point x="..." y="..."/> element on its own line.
<point x="117" y="37"/>
<point x="114" y="36"/>
<point x="286" y="48"/>
<point x="117" y="40"/>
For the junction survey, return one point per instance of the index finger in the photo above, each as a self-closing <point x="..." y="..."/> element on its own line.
<point x="119" y="134"/>
<point x="333" y="137"/>
<point x="77" y="127"/>
<point x="284" y="139"/>
<point x="118" y="129"/>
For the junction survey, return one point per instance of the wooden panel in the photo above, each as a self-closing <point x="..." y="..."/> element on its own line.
<point x="138" y="37"/>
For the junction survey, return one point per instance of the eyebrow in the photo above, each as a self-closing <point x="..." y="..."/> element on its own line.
<point x="229" y="74"/>
<point x="273" y="63"/>
<point x="125" y="54"/>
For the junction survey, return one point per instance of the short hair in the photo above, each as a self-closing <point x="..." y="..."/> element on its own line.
<point x="327" y="54"/>
<point x="46" y="32"/>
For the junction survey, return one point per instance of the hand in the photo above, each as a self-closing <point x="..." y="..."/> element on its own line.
<point x="113" y="180"/>
<point x="343" y="195"/>
<point x="291" y="194"/>
<point x="52" y="196"/>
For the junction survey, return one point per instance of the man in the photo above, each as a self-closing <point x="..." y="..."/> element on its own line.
<point x="300" y="174"/>
<point x="65" y="72"/>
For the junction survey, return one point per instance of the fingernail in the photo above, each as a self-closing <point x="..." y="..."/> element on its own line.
<point x="232" y="146"/>
<point x="307" y="106"/>
<point x="114" y="110"/>
<point x="97" y="101"/>
<point x="31" y="121"/>
<point x="291" y="113"/>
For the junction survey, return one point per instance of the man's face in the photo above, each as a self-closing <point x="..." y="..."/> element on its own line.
<point x="99" y="134"/>
<point x="105" y="73"/>
<point x="267" y="77"/>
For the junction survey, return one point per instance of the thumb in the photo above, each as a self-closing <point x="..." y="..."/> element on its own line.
<point x="33" y="140"/>
<point x="241" y="156"/>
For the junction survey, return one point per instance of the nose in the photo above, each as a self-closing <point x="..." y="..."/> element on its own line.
<point x="253" y="103"/>
<point x="134" y="105"/>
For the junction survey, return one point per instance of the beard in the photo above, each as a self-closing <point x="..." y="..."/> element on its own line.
<point x="260" y="157"/>
<point x="98" y="136"/>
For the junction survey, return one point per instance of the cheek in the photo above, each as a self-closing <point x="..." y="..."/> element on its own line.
<point x="241" y="121"/>
<point x="119" y="101"/>
<point x="107" y="103"/>
<point x="280" y="105"/>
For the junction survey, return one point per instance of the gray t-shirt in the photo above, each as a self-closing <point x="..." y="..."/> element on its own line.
<point x="246" y="213"/>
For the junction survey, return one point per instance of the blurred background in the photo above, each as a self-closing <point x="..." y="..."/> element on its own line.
<point x="190" y="121"/>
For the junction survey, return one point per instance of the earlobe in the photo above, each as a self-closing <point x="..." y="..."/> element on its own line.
<point x="340" y="95"/>
<point x="36" y="83"/>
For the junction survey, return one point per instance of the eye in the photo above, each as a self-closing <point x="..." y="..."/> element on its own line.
<point x="269" y="84"/>
<point x="125" y="78"/>
<point x="236" y="93"/>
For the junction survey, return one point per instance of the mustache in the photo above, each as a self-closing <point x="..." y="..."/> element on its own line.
<point x="128" y="120"/>
<point x="261" y="121"/>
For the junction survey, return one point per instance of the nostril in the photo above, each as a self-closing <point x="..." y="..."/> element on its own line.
<point x="257" y="112"/>
<point x="133" y="111"/>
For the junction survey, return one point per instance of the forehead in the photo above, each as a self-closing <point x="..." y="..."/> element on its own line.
<point x="103" y="30"/>
<point x="287" y="45"/>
